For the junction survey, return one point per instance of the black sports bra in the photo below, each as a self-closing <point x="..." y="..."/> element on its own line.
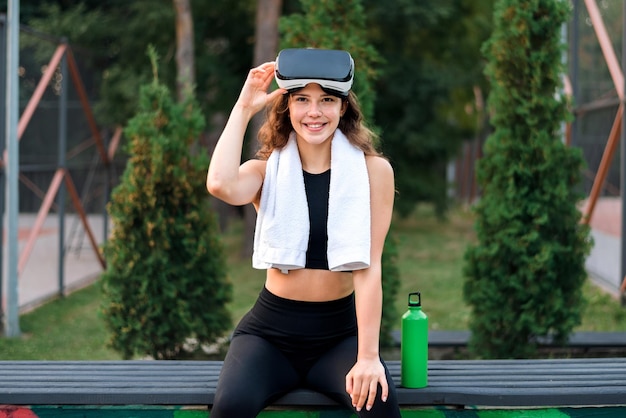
<point x="317" y="187"/>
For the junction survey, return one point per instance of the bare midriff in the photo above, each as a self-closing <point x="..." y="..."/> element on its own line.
<point x="309" y="285"/>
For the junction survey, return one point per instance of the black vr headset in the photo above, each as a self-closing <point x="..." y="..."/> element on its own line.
<point x="332" y="69"/>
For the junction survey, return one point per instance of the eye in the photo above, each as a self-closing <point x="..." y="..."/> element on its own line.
<point x="329" y="99"/>
<point x="300" y="99"/>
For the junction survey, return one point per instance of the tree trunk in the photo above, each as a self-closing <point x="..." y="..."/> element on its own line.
<point x="185" y="79"/>
<point x="265" y="49"/>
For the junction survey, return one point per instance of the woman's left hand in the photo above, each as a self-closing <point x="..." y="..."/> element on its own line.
<point x="362" y="383"/>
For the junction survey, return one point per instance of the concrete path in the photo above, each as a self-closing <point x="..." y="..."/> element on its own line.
<point x="39" y="280"/>
<point x="604" y="262"/>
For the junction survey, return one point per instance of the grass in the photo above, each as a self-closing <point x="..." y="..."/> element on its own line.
<point x="430" y="260"/>
<point x="65" y="329"/>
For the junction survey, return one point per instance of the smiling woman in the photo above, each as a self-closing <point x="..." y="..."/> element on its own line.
<point x="324" y="200"/>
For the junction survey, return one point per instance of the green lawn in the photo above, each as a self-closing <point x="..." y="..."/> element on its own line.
<point x="65" y="329"/>
<point x="430" y="261"/>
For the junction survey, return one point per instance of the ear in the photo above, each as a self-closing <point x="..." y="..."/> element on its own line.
<point x="344" y="107"/>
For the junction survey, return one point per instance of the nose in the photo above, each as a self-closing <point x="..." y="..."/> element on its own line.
<point x="314" y="109"/>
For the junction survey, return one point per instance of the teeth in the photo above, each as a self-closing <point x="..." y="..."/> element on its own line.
<point x="315" y="126"/>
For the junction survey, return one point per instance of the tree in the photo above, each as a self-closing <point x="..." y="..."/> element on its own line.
<point x="341" y="25"/>
<point x="165" y="280"/>
<point x="185" y="63"/>
<point x="423" y="73"/>
<point x="111" y="36"/>
<point x="524" y="277"/>
<point x="425" y="103"/>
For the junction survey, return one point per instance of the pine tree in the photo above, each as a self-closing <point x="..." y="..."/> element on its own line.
<point x="165" y="281"/>
<point x="524" y="277"/>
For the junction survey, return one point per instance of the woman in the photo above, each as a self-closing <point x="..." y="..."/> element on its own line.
<point x="316" y="322"/>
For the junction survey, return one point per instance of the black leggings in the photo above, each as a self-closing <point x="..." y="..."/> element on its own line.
<point x="283" y="344"/>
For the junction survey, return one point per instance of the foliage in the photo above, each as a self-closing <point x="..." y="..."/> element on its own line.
<point x="113" y="32"/>
<point x="524" y="277"/>
<point x="425" y="103"/>
<point x="336" y="25"/>
<point x="417" y="65"/>
<point x="165" y="280"/>
<point x="391" y="285"/>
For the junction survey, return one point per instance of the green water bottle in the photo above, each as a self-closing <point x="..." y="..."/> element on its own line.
<point x="414" y="344"/>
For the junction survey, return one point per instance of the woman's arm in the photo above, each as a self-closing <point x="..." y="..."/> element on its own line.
<point x="362" y="381"/>
<point x="227" y="178"/>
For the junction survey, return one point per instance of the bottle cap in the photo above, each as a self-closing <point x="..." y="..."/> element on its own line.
<point x="412" y="301"/>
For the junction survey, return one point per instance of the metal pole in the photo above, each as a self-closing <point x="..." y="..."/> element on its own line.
<point x="62" y="164"/>
<point x="3" y="97"/>
<point x="623" y="164"/>
<point x="574" y="71"/>
<point x="12" y="323"/>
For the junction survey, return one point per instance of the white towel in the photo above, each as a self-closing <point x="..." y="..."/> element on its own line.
<point x="282" y="226"/>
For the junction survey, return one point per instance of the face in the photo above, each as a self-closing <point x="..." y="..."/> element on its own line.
<point x="314" y="114"/>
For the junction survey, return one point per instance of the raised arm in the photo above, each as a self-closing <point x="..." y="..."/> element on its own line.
<point x="227" y="178"/>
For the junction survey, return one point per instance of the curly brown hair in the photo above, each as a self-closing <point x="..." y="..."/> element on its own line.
<point x="274" y="133"/>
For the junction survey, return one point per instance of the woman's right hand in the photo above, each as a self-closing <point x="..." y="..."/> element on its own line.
<point x="227" y="179"/>
<point x="254" y="96"/>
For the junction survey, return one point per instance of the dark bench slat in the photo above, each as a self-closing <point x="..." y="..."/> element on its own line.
<point x="112" y="398"/>
<point x="516" y="398"/>
<point x="112" y="366"/>
<point x="178" y="384"/>
<point x="427" y="396"/>
<point x="581" y="339"/>
<point x="523" y="363"/>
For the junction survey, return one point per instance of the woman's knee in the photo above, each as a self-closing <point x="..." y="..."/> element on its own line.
<point x="229" y="405"/>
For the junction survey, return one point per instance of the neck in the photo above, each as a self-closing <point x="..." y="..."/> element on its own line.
<point x="315" y="158"/>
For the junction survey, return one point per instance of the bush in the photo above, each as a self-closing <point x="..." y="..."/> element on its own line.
<point x="524" y="277"/>
<point x="165" y="280"/>
<point x="390" y="320"/>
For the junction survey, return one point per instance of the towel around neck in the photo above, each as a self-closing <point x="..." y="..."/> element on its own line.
<point x="282" y="225"/>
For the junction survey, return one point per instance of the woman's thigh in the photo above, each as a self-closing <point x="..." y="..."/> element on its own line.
<point x="253" y="375"/>
<point x="328" y="375"/>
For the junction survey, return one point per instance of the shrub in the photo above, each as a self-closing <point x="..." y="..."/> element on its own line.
<point x="165" y="280"/>
<point x="524" y="277"/>
<point x="391" y="283"/>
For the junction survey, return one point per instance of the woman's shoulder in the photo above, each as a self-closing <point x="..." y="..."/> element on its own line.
<point x="380" y="172"/>
<point x="377" y="164"/>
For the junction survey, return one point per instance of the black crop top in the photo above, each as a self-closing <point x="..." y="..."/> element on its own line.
<point x="317" y="187"/>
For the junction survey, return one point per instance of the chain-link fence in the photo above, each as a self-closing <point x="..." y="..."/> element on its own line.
<point x="595" y="38"/>
<point x="596" y="98"/>
<point x="60" y="134"/>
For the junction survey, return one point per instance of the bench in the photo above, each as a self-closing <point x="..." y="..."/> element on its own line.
<point x="464" y="385"/>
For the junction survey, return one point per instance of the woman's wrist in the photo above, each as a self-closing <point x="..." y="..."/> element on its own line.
<point x="368" y="354"/>
<point x="245" y="112"/>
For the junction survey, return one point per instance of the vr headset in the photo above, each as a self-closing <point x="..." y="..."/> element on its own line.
<point x="332" y="69"/>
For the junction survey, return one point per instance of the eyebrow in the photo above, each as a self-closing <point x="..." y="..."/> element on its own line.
<point x="324" y="95"/>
